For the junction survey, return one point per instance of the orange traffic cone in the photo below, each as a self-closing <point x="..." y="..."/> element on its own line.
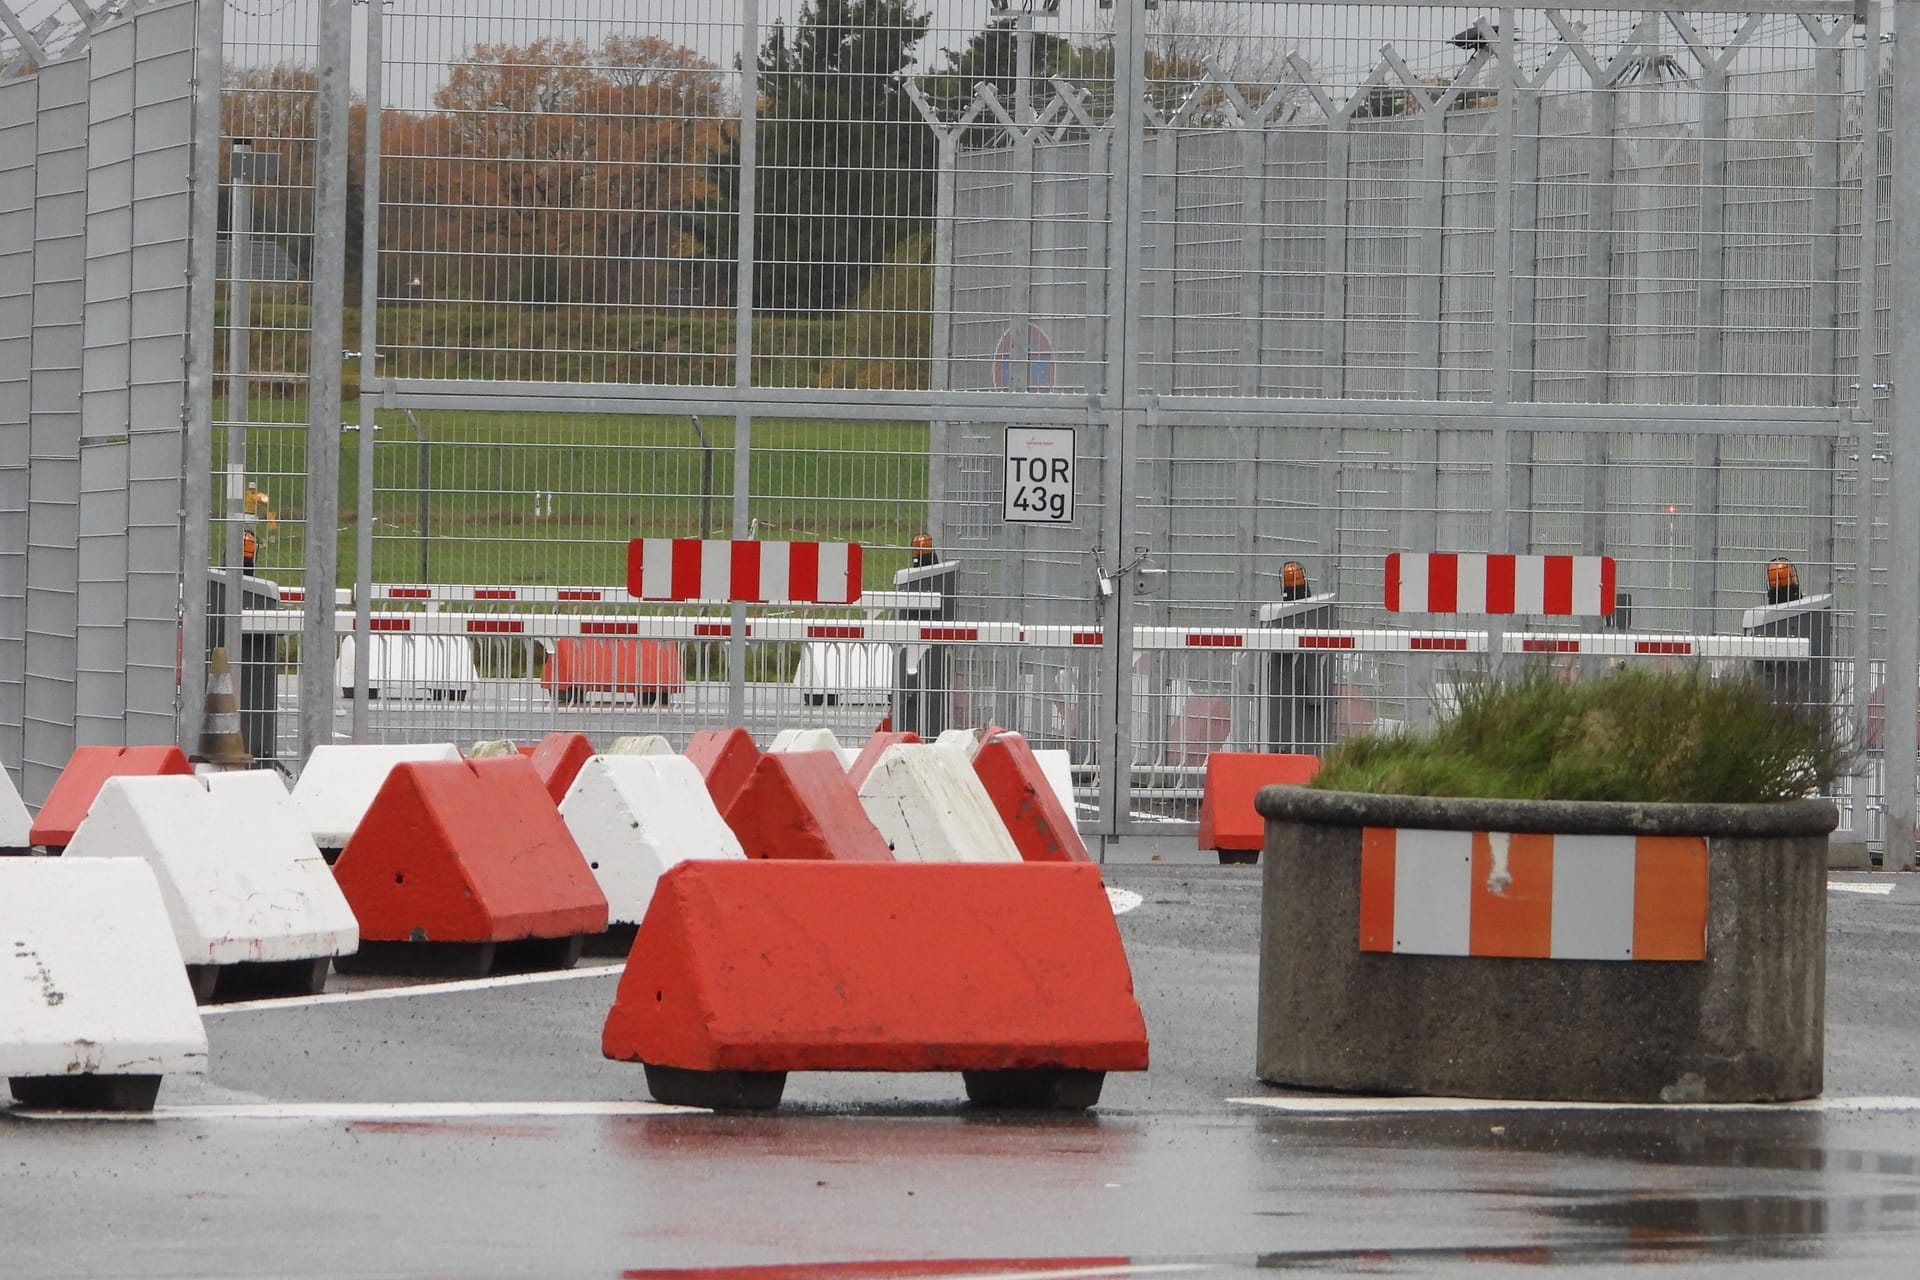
<point x="220" y="740"/>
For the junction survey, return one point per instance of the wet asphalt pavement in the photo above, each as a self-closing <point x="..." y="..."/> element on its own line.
<point x="563" y="1175"/>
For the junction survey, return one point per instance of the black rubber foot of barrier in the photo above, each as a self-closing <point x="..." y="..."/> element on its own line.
<point x="420" y="959"/>
<point x="1043" y="1088"/>
<point x="85" y="1092"/>
<point x="616" y="941"/>
<point x="258" y="979"/>
<point x="1239" y="857"/>
<point x="531" y="955"/>
<point x="720" y="1090"/>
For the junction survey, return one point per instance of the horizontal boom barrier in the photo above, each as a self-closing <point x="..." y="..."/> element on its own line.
<point x="547" y="626"/>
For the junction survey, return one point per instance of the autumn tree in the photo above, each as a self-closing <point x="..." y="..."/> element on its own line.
<point x="556" y="171"/>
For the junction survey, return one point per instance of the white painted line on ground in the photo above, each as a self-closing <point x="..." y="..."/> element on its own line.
<point x="1330" y="1105"/>
<point x="373" y="1111"/>
<point x="1081" y="1273"/>
<point x="1855" y="886"/>
<point x="612" y="969"/>
<point x="1123" y="900"/>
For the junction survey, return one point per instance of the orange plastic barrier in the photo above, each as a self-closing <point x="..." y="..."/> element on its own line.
<point x="799" y="804"/>
<point x="78" y="783"/>
<point x="1042" y="830"/>
<point x="1227" y="820"/>
<point x="647" y="669"/>
<point x="467" y="851"/>
<point x="725" y="758"/>
<point x="870" y="754"/>
<point x="1011" y="973"/>
<point x="557" y="759"/>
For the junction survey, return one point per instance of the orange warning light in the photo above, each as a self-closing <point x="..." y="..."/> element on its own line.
<point x="1783" y="581"/>
<point x="922" y="546"/>
<point x="1293" y="581"/>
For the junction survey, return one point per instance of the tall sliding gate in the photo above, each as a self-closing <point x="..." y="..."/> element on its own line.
<point x="1307" y="283"/>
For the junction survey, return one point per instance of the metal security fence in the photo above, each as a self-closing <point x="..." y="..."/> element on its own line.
<point x="1303" y="283"/>
<point x="796" y="271"/>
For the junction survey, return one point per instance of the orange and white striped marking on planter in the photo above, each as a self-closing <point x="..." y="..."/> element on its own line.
<point x="754" y="572"/>
<point x="1547" y="897"/>
<point x="1478" y="583"/>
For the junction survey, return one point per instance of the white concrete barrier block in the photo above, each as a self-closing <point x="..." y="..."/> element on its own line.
<point x="931" y="807"/>
<point x="636" y="816"/>
<point x="339" y="783"/>
<point x="805" y="740"/>
<point x="641" y="744"/>
<point x="15" y="822"/>
<point x="440" y="668"/>
<point x="848" y="755"/>
<point x="837" y="672"/>
<point x="488" y="748"/>
<point x="963" y="742"/>
<point x="242" y="879"/>
<point x="90" y="978"/>
<point x="1057" y="767"/>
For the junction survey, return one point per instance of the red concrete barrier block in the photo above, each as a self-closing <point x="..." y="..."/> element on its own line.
<point x="469" y="852"/>
<point x="1042" y="830"/>
<point x="557" y="759"/>
<point x="1227" y="820"/>
<point x="725" y="758"/>
<point x="647" y="670"/>
<point x="870" y="754"/>
<point x="78" y="783"/>
<point x="799" y="804"/>
<point x="1010" y="973"/>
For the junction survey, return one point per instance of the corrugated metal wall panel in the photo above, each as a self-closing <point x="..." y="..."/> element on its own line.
<point x="19" y="105"/>
<point x="53" y="498"/>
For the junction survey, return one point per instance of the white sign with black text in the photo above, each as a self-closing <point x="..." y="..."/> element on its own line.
<point x="1039" y="475"/>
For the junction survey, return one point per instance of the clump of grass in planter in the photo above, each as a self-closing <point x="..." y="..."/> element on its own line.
<point x="1631" y="735"/>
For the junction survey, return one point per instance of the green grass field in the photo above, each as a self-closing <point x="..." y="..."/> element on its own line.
<point x="546" y="498"/>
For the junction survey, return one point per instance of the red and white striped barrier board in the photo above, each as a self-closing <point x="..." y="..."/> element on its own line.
<point x="1474" y="582"/>
<point x="753" y="572"/>
<point x="1547" y="897"/>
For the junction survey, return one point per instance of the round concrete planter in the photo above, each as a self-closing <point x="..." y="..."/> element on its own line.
<point x="1746" y="1024"/>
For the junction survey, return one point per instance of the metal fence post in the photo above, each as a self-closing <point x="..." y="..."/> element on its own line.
<point x="197" y="460"/>
<point x="321" y="543"/>
<point x="743" y="339"/>
<point x="1866" y="397"/>
<point x="1122" y="383"/>
<point x="369" y="373"/>
<point x="1903" y="515"/>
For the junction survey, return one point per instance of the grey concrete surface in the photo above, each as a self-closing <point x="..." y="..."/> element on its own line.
<point x="1167" y="1176"/>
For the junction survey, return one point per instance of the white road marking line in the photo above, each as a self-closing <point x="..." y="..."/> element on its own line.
<point x="1353" y="1106"/>
<point x="373" y="1111"/>
<point x="1855" y="886"/>
<point x="1083" y="1273"/>
<point x="416" y="989"/>
<point x="1123" y="900"/>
